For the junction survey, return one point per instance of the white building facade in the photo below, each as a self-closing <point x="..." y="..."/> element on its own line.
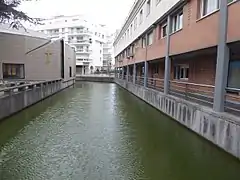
<point x="86" y="36"/>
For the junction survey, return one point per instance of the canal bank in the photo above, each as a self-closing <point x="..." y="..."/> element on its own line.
<point x="100" y="131"/>
<point x="221" y="129"/>
<point x="16" y="98"/>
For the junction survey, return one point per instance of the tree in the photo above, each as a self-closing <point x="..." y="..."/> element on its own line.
<point x="10" y="14"/>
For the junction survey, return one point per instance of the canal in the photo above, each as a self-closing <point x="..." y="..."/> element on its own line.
<point x="101" y="132"/>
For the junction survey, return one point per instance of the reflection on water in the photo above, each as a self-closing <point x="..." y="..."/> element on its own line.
<point x="99" y="131"/>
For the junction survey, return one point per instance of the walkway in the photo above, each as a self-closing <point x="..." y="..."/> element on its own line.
<point x="101" y="132"/>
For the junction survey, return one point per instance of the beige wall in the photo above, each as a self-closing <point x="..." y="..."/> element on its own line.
<point x="70" y="61"/>
<point x="15" y="49"/>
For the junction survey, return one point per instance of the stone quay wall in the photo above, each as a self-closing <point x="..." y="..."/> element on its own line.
<point x="16" y="98"/>
<point x="221" y="129"/>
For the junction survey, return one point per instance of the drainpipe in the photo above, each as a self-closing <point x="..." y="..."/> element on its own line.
<point x="145" y="64"/>
<point x="134" y="73"/>
<point x="127" y="78"/>
<point x="167" y="59"/>
<point x="222" y="60"/>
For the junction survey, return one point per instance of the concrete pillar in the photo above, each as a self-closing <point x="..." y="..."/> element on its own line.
<point x="167" y="59"/>
<point x="222" y="60"/>
<point x="122" y="72"/>
<point x="134" y="73"/>
<point x="127" y="78"/>
<point x="1" y="71"/>
<point x="145" y="73"/>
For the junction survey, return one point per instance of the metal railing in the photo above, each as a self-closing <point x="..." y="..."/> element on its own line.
<point x="155" y="83"/>
<point x="200" y="93"/>
<point x="140" y="80"/>
<point x="23" y="86"/>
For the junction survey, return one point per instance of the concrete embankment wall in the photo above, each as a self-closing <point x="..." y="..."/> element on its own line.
<point x="220" y="128"/>
<point x="104" y="79"/>
<point x="17" y="98"/>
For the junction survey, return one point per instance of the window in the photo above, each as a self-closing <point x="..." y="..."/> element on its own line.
<point x="100" y="51"/>
<point x="208" y="6"/>
<point x="70" y="71"/>
<point x="234" y="74"/>
<point x="181" y="72"/>
<point x="13" y="71"/>
<point x="141" y="17"/>
<point x="177" y="22"/>
<point x="135" y="23"/>
<point x="143" y="42"/>
<point x="150" y="38"/>
<point x="103" y="36"/>
<point x="164" y="30"/>
<point x="131" y="30"/>
<point x="148" y="7"/>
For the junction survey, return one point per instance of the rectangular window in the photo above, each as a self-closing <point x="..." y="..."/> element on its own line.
<point x="150" y="38"/>
<point x="181" y="72"/>
<point x="141" y="17"/>
<point x="131" y="29"/>
<point x="70" y="71"/>
<point x="208" y="6"/>
<point x="148" y="7"/>
<point x="234" y="74"/>
<point x="135" y="24"/>
<point x="177" y="22"/>
<point x="164" y="30"/>
<point x="13" y="71"/>
<point x="143" y="42"/>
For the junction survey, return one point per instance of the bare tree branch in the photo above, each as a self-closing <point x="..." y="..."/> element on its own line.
<point x="10" y="14"/>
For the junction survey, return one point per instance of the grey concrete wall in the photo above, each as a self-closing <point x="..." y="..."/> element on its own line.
<point x="13" y="101"/>
<point x="95" y="79"/>
<point x="222" y="129"/>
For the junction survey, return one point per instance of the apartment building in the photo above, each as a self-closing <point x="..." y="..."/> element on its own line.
<point x="84" y="34"/>
<point x="108" y="57"/>
<point x="31" y="56"/>
<point x="183" y="47"/>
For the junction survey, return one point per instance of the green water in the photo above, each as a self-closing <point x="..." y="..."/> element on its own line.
<point x="101" y="132"/>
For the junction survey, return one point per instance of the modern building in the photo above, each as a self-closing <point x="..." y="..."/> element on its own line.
<point x="31" y="56"/>
<point x="84" y="34"/>
<point x="183" y="47"/>
<point x="108" y="57"/>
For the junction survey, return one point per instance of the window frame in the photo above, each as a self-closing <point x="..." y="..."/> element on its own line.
<point x="178" y="72"/>
<point x="148" y="7"/>
<point x="204" y="8"/>
<point x="148" y="35"/>
<point x="164" y="25"/>
<point x="141" y="16"/>
<point x="177" y="22"/>
<point x="12" y="65"/>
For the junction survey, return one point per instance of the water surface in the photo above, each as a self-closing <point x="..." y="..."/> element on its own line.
<point x="101" y="132"/>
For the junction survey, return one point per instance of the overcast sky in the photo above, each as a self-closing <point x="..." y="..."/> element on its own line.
<point x="110" y="12"/>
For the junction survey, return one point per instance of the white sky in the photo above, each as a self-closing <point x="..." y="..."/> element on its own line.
<point x="110" y="12"/>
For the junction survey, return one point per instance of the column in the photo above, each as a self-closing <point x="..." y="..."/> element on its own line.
<point x="122" y="72"/>
<point x="127" y="78"/>
<point x="167" y="60"/>
<point x="145" y="73"/>
<point x="1" y="71"/>
<point x="134" y="73"/>
<point x="222" y="60"/>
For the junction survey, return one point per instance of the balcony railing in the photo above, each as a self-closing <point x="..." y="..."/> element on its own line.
<point x="199" y="93"/>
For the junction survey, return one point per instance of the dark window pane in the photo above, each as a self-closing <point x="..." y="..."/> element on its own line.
<point x="234" y="74"/>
